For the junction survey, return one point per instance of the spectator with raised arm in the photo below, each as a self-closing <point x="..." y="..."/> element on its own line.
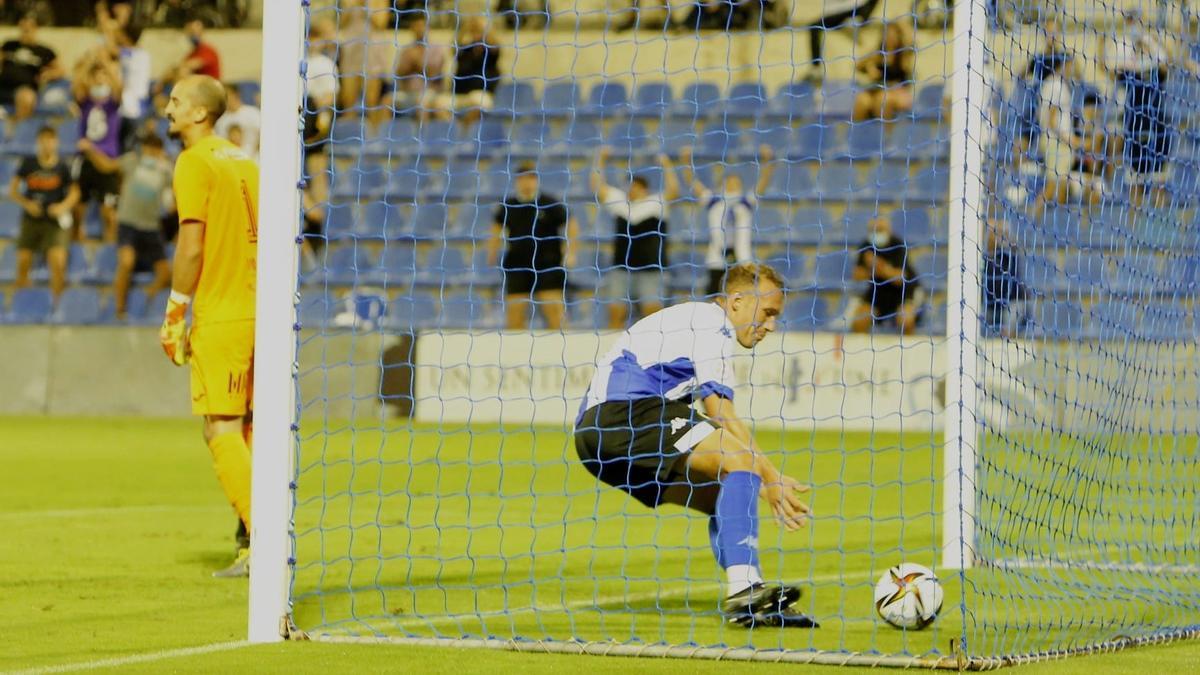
<point x="637" y="279"/>
<point x="25" y="66"/>
<point x="730" y="215"/>
<point x="837" y="13"/>
<point x="422" y="74"/>
<point x="538" y="251"/>
<point x="97" y="91"/>
<point x="889" y="74"/>
<point x="121" y="36"/>
<point x="477" y="71"/>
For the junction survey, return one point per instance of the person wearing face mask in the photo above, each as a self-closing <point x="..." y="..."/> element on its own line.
<point x="97" y="90"/>
<point x="538" y="252"/>
<point x="730" y="215"/>
<point x="893" y="293"/>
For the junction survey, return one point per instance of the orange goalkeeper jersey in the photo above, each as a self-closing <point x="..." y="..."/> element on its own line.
<point x="217" y="184"/>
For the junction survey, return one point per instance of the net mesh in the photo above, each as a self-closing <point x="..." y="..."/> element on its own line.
<point x="444" y="350"/>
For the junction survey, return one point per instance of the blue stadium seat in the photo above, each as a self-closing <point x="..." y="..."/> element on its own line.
<point x="833" y="270"/>
<point x="387" y="221"/>
<point x="837" y="100"/>
<point x="317" y="309"/>
<point x="865" y="140"/>
<point x="429" y="220"/>
<point x="719" y="141"/>
<point x="78" y="305"/>
<point x="560" y="98"/>
<point x="248" y="91"/>
<point x="359" y="183"/>
<point x="8" y="264"/>
<point x="607" y="99"/>
<point x="77" y="263"/>
<point x="103" y="267"/>
<point x="778" y="138"/>
<point x="514" y="98"/>
<point x="699" y="99"/>
<point x="652" y="99"/>
<point x="23" y="139"/>
<point x="398" y="133"/>
<point x="928" y="102"/>
<point x="771" y="224"/>
<point x="932" y="269"/>
<point x="462" y="310"/>
<point x="559" y="180"/>
<point x="340" y="222"/>
<point x="810" y="226"/>
<point x="581" y="137"/>
<point x="838" y="182"/>
<point x="627" y="137"/>
<point x="30" y="305"/>
<point x="414" y="181"/>
<point x="1056" y="319"/>
<point x="746" y="99"/>
<point x="791" y="180"/>
<point x="436" y="137"/>
<point x="1083" y="270"/>
<point x="1041" y="274"/>
<point x="1137" y="274"/>
<point x="1113" y="319"/>
<point x="675" y="135"/>
<point x="464" y="180"/>
<point x="410" y="311"/>
<point x="347" y="263"/>
<point x="445" y="266"/>
<point x="795" y="100"/>
<point x="55" y="98"/>
<point x="930" y="184"/>
<point x="486" y="138"/>
<point x="1167" y="321"/>
<point x="851" y="229"/>
<point x="349" y="137"/>
<point x="792" y="264"/>
<point x="914" y="226"/>
<point x="530" y="137"/>
<point x="68" y="136"/>
<point x="814" y="141"/>
<point x="914" y="139"/>
<point x="10" y="219"/>
<point x="804" y="312"/>
<point x="397" y="265"/>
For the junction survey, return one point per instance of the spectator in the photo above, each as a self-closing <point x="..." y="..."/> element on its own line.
<point x="247" y="119"/>
<point x="26" y="65"/>
<point x="363" y="63"/>
<point x="640" y="246"/>
<point x="97" y="90"/>
<point x="889" y="72"/>
<point x="730" y="216"/>
<point x="1139" y="62"/>
<point x="1093" y="169"/>
<point x="45" y="191"/>
<point x="1058" y="141"/>
<point x="840" y="12"/>
<point x="1004" y="291"/>
<point x="537" y="254"/>
<point x="173" y="13"/>
<point x="1051" y="56"/>
<point x="136" y="70"/>
<point x="203" y="59"/>
<point x="477" y="70"/>
<point x="710" y="15"/>
<point x="528" y="13"/>
<point x="421" y="74"/>
<point x="145" y="191"/>
<point x="322" y="85"/>
<point x="893" y="294"/>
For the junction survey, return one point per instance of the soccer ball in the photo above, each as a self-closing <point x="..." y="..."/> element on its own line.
<point x="908" y="596"/>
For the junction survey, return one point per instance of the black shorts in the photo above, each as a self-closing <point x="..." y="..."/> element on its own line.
<point x="528" y="281"/>
<point x="148" y="247"/>
<point x="41" y="234"/>
<point x="639" y="446"/>
<point x="885" y="306"/>
<point x="95" y="185"/>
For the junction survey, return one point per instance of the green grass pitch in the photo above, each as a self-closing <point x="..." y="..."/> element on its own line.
<point x="111" y="528"/>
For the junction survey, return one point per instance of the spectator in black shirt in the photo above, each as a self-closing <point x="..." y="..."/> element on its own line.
<point x="46" y="191"/>
<point x="1004" y="291"/>
<point x="537" y="254"/>
<point x="893" y="294"/>
<point x="25" y="65"/>
<point x="477" y="71"/>
<point x="637" y="280"/>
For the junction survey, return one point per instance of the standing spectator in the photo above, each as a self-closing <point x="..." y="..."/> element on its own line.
<point x="1139" y="62"/>
<point x="730" y="215"/>
<point x="97" y="90"/>
<point x="202" y="60"/>
<point x="1003" y="289"/>
<point x="145" y="191"/>
<point x="122" y="39"/>
<point x="26" y="65"/>
<point x="1058" y="141"/>
<point x="893" y="294"/>
<point x="477" y="71"/>
<point x="889" y="72"/>
<point x="838" y="14"/>
<point x="708" y="15"/>
<point x="45" y="191"/>
<point x="537" y="254"/>
<point x="421" y="74"/>
<point x="243" y="116"/>
<point x="1093" y="169"/>
<point x="363" y="63"/>
<point x="640" y="244"/>
<point x="322" y="85"/>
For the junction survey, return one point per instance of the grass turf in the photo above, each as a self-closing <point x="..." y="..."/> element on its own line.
<point x="112" y="527"/>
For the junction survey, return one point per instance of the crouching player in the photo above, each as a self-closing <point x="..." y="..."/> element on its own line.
<point x="638" y="432"/>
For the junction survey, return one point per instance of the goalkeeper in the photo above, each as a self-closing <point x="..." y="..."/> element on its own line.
<point x="216" y="195"/>
<point x="637" y="431"/>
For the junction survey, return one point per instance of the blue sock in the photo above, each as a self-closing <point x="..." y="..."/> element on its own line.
<point x="734" y="528"/>
<point x="712" y="540"/>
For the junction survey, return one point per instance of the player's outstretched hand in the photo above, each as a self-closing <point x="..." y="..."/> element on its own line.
<point x="173" y="334"/>
<point x="783" y="497"/>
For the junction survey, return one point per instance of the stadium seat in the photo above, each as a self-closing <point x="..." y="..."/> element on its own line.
<point x="1167" y="321"/>
<point x="55" y="98"/>
<point x="814" y="141"/>
<point x="10" y="219"/>
<point x="928" y="102"/>
<point x="350" y="137"/>
<point x="317" y="309"/>
<point x="23" y="139"/>
<point x="675" y="135"/>
<point x="719" y="141"/>
<point x="832" y="270"/>
<point x="810" y="226"/>
<point x="514" y="98"/>
<point x="791" y="180"/>
<point x="698" y="100"/>
<point x="68" y="135"/>
<point x="397" y="265"/>
<point x="804" y="312"/>
<point x="466" y="311"/>
<point x="387" y="221"/>
<point x="445" y="266"/>
<point x="652" y="99"/>
<point x="1057" y="319"/>
<point x="777" y="138"/>
<point x="1113" y="319"/>
<point x="103" y="267"/>
<point x="463" y="180"/>
<point x="581" y="138"/>
<point x="837" y="100"/>
<point x="8" y="264"/>
<point x="627" y="137"/>
<point x="792" y="264"/>
<point x="865" y="140"/>
<point x="78" y="305"/>
<point x="795" y="101"/>
<point x="917" y="140"/>
<point x="409" y="311"/>
<point x="30" y="305"/>
<point x="530" y="137"/>
<point x="746" y="99"/>
<point x="913" y="225"/>
<point x="931" y="268"/>
<point x="346" y="264"/>
<point x="1136" y="274"/>
<point x="838" y="182"/>
<point x="560" y="98"/>
<point x="771" y="225"/>
<point x="429" y="220"/>
<point x="607" y="99"/>
<point x="1082" y="269"/>
<point x="436" y="137"/>
<point x="929" y="184"/>
<point x="77" y="263"/>
<point x="852" y="227"/>
<point x="340" y="222"/>
<point x="413" y="181"/>
<point x="488" y="137"/>
<point x="359" y="183"/>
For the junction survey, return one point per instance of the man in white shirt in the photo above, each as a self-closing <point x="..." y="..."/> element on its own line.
<point x="321" y="79"/>
<point x="245" y="117"/>
<point x="730" y="215"/>
<point x="637" y="277"/>
<point x="637" y="431"/>
<point x="136" y="73"/>
<point x="1058" y="131"/>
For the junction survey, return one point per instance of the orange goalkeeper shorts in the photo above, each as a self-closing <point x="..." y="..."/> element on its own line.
<point x="222" y="368"/>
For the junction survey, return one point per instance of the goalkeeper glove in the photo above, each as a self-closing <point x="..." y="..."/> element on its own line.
<point x="173" y="334"/>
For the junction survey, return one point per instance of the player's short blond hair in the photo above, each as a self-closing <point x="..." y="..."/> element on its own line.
<point x="748" y="275"/>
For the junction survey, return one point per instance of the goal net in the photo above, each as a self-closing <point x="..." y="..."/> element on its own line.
<point x="986" y="363"/>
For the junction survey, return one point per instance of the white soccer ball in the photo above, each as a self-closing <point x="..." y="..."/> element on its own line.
<point x="908" y="596"/>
